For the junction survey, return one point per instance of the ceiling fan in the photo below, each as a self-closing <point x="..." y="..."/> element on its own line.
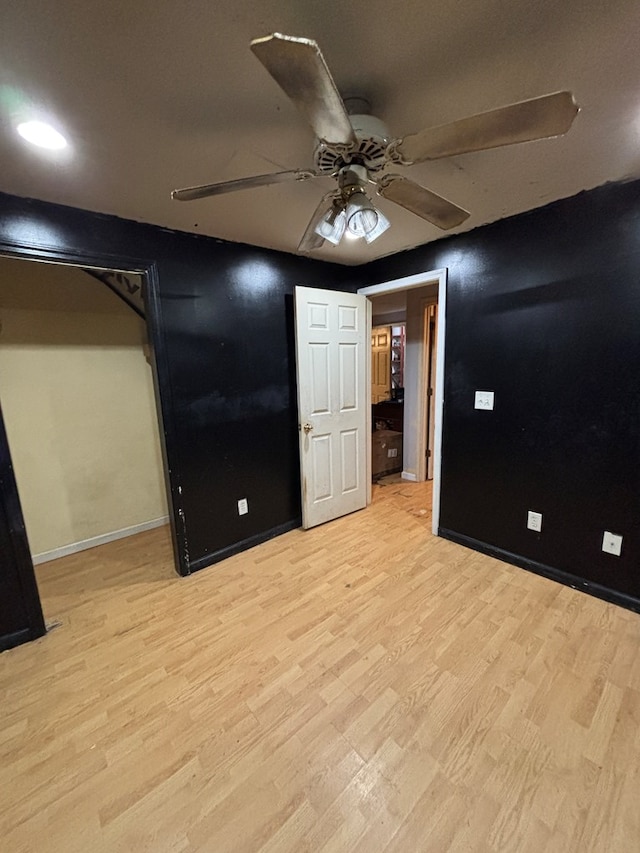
<point x="356" y="149"/>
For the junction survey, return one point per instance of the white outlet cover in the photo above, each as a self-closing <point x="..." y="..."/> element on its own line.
<point x="612" y="543"/>
<point x="534" y="521"/>
<point x="243" y="506"/>
<point x="484" y="400"/>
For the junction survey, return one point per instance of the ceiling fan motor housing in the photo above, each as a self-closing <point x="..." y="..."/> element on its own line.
<point x="370" y="151"/>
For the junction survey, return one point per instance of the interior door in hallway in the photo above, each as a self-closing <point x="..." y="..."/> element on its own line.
<point x="331" y="352"/>
<point x="380" y="364"/>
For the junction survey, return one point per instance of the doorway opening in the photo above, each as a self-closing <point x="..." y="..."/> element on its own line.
<point x="80" y="406"/>
<point x="387" y="385"/>
<point x="416" y="303"/>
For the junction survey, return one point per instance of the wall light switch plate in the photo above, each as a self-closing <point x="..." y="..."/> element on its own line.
<point x="484" y="400"/>
<point x="612" y="543"/>
<point x="534" y="521"/>
<point x="243" y="506"/>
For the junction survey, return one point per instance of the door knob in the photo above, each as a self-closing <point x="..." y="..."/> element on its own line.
<point x="307" y="427"/>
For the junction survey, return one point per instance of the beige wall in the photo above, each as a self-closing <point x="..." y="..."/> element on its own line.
<point x="77" y="397"/>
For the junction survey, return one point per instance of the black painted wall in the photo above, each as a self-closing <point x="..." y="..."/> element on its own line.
<point x="21" y="617"/>
<point x="544" y="309"/>
<point x="221" y="323"/>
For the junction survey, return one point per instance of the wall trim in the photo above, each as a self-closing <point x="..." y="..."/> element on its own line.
<point x="244" y="544"/>
<point x="94" y="541"/>
<point x="565" y="578"/>
<point x="407" y="475"/>
<point x="407" y="282"/>
<point x="17" y="638"/>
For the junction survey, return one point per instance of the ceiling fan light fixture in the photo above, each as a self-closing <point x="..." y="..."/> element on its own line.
<point x="381" y="226"/>
<point x="362" y="217"/>
<point x="41" y="134"/>
<point x="332" y="225"/>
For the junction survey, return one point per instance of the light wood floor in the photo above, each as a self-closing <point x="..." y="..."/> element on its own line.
<point x="360" y="687"/>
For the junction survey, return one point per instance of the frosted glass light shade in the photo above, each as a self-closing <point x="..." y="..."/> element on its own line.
<point x="362" y="216"/>
<point x="331" y="226"/>
<point x="381" y="226"/>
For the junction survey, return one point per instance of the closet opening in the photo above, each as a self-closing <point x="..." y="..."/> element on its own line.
<point x="79" y="400"/>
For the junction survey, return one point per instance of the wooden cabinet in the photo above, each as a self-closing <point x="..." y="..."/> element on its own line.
<point x="390" y="414"/>
<point x="386" y="453"/>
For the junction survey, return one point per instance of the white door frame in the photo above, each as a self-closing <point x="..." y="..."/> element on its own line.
<point x="409" y="282"/>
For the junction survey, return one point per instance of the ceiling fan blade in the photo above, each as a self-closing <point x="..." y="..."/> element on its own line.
<point x="310" y="240"/>
<point x="538" y="118"/>
<point x="422" y="202"/>
<point x="206" y="190"/>
<point x="298" y="67"/>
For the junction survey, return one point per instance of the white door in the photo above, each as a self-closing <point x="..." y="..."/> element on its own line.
<point x="331" y="354"/>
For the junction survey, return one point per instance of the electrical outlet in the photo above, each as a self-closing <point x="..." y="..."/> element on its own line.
<point x="534" y="521"/>
<point x="484" y="400"/>
<point x="391" y="452"/>
<point x="612" y="543"/>
<point x="243" y="506"/>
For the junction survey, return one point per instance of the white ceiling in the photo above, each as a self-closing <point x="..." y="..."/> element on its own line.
<point x="155" y="96"/>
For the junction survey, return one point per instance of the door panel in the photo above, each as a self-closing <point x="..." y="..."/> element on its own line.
<point x="319" y="355"/>
<point x="322" y="467"/>
<point x="349" y="449"/>
<point x="331" y="364"/>
<point x="348" y="377"/>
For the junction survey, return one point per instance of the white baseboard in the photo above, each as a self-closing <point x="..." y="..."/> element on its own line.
<point x="406" y="475"/>
<point x="46" y="556"/>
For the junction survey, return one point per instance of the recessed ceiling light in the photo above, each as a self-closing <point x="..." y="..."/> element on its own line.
<point x="41" y="134"/>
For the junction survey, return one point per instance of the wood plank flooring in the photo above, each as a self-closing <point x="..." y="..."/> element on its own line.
<point x="360" y="687"/>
